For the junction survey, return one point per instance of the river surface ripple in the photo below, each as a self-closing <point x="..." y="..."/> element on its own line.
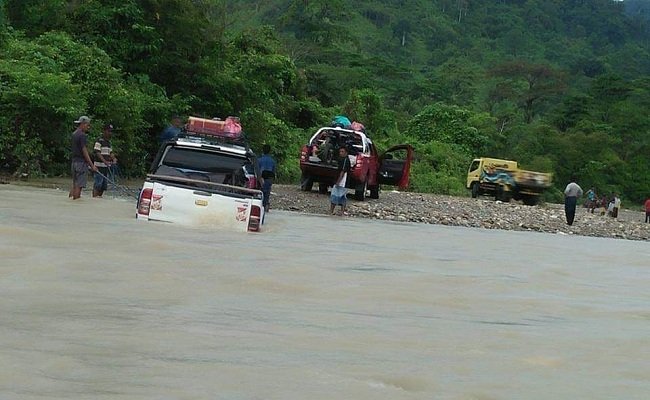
<point x="96" y="305"/>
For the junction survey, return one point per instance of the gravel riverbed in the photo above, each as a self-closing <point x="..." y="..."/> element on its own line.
<point x="440" y="209"/>
<point x="465" y="211"/>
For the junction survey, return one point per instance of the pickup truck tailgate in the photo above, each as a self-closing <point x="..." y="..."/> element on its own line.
<point x="171" y="202"/>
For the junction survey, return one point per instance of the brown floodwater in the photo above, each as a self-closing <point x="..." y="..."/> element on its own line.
<point x="96" y="305"/>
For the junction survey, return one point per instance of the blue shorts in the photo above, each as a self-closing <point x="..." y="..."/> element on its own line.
<point x="100" y="182"/>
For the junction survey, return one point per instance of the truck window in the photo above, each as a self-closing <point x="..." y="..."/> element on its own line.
<point x="474" y="165"/>
<point x="206" y="165"/>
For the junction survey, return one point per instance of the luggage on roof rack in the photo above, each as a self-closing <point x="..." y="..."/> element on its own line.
<point x="228" y="129"/>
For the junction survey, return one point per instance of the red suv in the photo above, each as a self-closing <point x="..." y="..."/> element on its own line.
<point x="319" y="162"/>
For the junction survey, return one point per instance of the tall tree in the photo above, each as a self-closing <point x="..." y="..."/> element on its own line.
<point x="527" y="83"/>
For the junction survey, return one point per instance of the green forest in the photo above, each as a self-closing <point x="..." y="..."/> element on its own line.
<point x="561" y="86"/>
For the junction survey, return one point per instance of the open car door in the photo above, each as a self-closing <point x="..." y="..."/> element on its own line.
<point x="395" y="166"/>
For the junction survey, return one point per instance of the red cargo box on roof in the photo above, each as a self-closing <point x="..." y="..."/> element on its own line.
<point x="230" y="128"/>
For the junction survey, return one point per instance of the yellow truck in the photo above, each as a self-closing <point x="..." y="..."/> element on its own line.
<point x="504" y="180"/>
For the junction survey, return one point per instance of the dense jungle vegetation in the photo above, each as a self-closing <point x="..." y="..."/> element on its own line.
<point x="559" y="85"/>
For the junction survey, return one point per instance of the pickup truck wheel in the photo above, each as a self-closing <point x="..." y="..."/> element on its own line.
<point x="322" y="187"/>
<point x="306" y="183"/>
<point x="360" y="190"/>
<point x="374" y="192"/>
<point x="475" y="191"/>
<point x="530" y="200"/>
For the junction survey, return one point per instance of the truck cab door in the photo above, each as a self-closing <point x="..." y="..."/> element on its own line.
<point x="395" y="166"/>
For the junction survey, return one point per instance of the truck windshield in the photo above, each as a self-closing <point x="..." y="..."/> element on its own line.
<point x="206" y="165"/>
<point x="204" y="161"/>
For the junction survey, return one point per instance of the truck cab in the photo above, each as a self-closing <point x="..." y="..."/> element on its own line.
<point x="504" y="180"/>
<point x="200" y="180"/>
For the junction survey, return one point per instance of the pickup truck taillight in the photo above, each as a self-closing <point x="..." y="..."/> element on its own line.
<point x="145" y="201"/>
<point x="359" y="162"/>
<point x="254" y="221"/>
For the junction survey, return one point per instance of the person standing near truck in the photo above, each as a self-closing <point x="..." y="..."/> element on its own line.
<point x="571" y="194"/>
<point x="80" y="160"/>
<point x="339" y="191"/>
<point x="172" y="130"/>
<point x="267" y="169"/>
<point x="647" y="211"/>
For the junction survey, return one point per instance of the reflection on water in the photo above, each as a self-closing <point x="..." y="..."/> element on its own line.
<point x="96" y="305"/>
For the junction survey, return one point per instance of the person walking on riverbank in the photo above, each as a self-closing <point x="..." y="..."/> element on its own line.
<point x="80" y="158"/>
<point x="267" y="169"/>
<point x="571" y="194"/>
<point x="339" y="191"/>
<point x="647" y="211"/>
<point x="591" y="200"/>
<point x="616" y="204"/>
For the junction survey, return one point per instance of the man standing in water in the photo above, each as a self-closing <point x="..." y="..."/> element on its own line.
<point x="339" y="192"/>
<point x="104" y="160"/>
<point x="267" y="169"/>
<point x="80" y="157"/>
<point x="571" y="194"/>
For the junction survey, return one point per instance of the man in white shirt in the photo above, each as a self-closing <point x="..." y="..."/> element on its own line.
<point x="571" y="194"/>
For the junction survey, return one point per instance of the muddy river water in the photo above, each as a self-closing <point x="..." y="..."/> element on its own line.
<point x="95" y="305"/>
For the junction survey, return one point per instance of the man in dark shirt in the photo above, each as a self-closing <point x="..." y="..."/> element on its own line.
<point x="172" y="130"/>
<point x="339" y="191"/>
<point x="80" y="157"/>
<point x="267" y="169"/>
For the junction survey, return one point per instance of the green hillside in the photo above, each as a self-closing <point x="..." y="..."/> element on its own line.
<point x="559" y="85"/>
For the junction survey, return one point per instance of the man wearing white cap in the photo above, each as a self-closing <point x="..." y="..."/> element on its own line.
<point x="80" y="157"/>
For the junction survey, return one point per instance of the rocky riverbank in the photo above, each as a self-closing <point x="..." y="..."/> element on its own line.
<point x="440" y="209"/>
<point x="465" y="211"/>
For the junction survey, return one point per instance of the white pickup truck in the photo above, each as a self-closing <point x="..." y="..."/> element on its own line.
<point x="199" y="181"/>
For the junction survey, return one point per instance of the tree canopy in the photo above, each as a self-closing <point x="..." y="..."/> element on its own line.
<point x="559" y="85"/>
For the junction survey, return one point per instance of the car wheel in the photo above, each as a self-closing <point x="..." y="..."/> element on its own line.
<point x="474" y="187"/>
<point x="322" y="187"/>
<point x="360" y="190"/>
<point x="306" y="183"/>
<point x="374" y="192"/>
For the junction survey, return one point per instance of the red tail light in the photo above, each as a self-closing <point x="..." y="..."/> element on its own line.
<point x="359" y="162"/>
<point x="254" y="221"/>
<point x="145" y="201"/>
